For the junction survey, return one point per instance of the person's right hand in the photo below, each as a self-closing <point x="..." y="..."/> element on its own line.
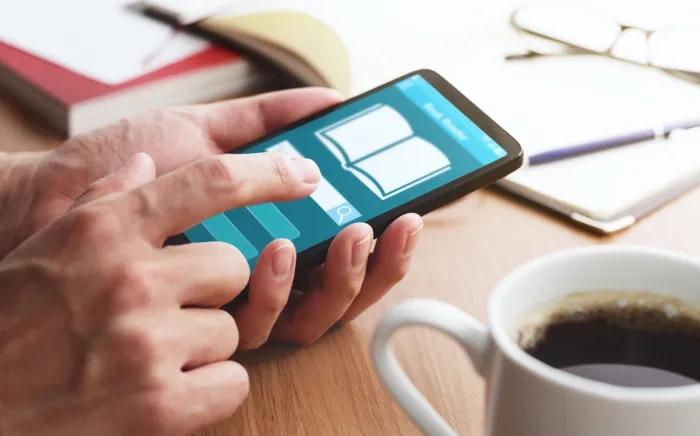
<point x="103" y="331"/>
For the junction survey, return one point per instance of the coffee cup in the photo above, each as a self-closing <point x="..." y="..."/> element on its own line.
<point x="594" y="341"/>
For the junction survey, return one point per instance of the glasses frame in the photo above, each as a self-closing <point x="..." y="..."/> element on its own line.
<point x="685" y="74"/>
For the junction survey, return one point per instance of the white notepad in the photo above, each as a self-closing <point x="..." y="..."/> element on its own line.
<point x="611" y="190"/>
<point x="547" y="103"/>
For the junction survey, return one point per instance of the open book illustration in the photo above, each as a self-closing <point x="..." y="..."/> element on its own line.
<point x="379" y="147"/>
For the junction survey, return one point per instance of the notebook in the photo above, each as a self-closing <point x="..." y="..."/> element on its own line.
<point x="549" y="102"/>
<point x="392" y="141"/>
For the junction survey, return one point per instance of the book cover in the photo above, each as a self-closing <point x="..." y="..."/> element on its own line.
<point x="69" y="88"/>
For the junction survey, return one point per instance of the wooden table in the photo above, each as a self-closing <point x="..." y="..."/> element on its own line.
<point x="330" y="388"/>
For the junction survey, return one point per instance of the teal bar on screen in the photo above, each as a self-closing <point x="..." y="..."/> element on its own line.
<point x="274" y="221"/>
<point x="199" y="233"/>
<point x="223" y="230"/>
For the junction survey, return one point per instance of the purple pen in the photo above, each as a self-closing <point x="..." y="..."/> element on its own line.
<point x="607" y="143"/>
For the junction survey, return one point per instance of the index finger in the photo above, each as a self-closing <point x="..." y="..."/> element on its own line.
<point x="180" y="199"/>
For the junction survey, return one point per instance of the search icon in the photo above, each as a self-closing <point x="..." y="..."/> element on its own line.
<point x="343" y="212"/>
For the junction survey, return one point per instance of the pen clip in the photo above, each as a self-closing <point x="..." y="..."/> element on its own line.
<point x="684" y="133"/>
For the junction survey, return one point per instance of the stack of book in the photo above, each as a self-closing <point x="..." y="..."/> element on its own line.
<point x="81" y="64"/>
<point x="73" y="103"/>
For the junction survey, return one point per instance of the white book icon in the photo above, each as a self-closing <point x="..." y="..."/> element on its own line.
<point x="379" y="147"/>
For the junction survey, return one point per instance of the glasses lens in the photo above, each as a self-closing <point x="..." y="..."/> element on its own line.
<point x="575" y="25"/>
<point x="676" y="49"/>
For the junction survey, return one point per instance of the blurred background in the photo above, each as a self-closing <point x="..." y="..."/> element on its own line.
<point x="575" y="82"/>
<point x="382" y="39"/>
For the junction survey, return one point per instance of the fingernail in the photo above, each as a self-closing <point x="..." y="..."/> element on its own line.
<point x="360" y="251"/>
<point x="282" y="259"/>
<point x="308" y="169"/>
<point x="411" y="242"/>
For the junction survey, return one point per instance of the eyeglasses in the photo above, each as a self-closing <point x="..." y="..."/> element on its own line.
<point x="582" y="29"/>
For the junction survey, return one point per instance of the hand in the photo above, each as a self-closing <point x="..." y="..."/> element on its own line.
<point x="104" y="331"/>
<point x="349" y="282"/>
<point x="37" y="188"/>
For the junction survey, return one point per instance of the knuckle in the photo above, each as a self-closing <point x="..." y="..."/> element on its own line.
<point x="142" y="346"/>
<point x="272" y="303"/>
<point x="143" y="202"/>
<point x="216" y="172"/>
<point x="123" y="132"/>
<point x="135" y="278"/>
<point x="349" y="292"/>
<point x="117" y="185"/>
<point x="282" y="168"/>
<point x="133" y="287"/>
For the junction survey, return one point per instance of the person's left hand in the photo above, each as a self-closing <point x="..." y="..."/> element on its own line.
<point x="105" y="161"/>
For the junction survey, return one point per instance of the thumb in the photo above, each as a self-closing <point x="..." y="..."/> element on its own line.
<point x="137" y="171"/>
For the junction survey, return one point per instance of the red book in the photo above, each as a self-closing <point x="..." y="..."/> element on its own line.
<point x="74" y="103"/>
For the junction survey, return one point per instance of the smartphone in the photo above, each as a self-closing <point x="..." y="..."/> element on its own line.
<point x="411" y="145"/>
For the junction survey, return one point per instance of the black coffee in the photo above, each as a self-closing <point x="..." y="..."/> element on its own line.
<point x="627" y="339"/>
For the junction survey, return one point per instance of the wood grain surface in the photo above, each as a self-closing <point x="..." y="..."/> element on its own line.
<point x="330" y="388"/>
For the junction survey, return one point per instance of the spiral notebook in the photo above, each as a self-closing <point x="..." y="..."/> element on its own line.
<point x="549" y="102"/>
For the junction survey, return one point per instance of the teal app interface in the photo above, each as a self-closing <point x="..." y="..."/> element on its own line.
<point x="375" y="154"/>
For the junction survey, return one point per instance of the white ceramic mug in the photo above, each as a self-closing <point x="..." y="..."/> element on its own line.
<point x="526" y="397"/>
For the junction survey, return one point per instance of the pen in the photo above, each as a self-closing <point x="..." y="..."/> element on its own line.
<point x="607" y="143"/>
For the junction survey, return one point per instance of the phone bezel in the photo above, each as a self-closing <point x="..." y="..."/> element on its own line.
<point x="432" y="200"/>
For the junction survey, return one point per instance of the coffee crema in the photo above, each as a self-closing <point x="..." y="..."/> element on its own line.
<point x="633" y="339"/>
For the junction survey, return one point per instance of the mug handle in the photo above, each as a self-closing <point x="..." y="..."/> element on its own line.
<point x="469" y="332"/>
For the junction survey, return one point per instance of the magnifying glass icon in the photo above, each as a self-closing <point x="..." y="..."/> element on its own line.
<point x="342" y="212"/>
